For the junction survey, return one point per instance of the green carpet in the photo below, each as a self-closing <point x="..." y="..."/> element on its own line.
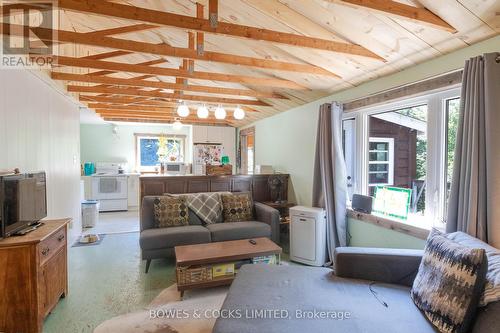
<point x="105" y="281"/>
<point x="108" y="280"/>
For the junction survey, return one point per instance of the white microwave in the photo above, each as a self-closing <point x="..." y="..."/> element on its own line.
<point x="175" y="168"/>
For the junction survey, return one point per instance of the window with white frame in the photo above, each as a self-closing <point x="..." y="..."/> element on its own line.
<point x="381" y="162"/>
<point x="407" y="144"/>
<point x="153" y="149"/>
<point x="349" y="149"/>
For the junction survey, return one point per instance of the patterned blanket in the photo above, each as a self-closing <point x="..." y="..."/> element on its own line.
<point x="207" y="206"/>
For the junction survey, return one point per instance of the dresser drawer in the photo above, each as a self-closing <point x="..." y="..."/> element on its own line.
<point x="50" y="246"/>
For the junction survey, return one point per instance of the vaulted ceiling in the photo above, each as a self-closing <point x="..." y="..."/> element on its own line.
<point x="135" y="60"/>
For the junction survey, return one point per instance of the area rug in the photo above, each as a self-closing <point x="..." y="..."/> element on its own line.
<point x="168" y="314"/>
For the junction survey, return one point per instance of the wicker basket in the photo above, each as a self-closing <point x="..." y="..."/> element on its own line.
<point x="219" y="170"/>
<point x="189" y="275"/>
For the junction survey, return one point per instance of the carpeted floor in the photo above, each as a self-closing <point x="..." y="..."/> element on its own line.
<point x="106" y="281"/>
<point x="168" y="314"/>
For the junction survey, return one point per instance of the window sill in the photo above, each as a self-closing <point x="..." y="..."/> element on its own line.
<point x="384" y="222"/>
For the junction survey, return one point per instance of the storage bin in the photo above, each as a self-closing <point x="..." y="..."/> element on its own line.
<point x="90" y="213"/>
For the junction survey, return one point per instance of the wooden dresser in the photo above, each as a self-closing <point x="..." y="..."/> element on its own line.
<point x="33" y="276"/>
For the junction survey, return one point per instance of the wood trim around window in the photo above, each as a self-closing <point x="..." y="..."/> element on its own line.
<point x="405" y="228"/>
<point x="428" y="86"/>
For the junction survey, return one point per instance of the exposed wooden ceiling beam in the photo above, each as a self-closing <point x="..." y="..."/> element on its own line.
<point x="149" y="120"/>
<point x="145" y="115"/>
<point x="192" y="23"/>
<point x="106" y="55"/>
<point x="96" y="106"/>
<point x="141" y="69"/>
<point x="122" y="30"/>
<point x="158" y="94"/>
<point x="139" y="82"/>
<point x="167" y="50"/>
<point x="144" y="108"/>
<point x="200" y="36"/>
<point x="401" y="10"/>
<point x="124" y="100"/>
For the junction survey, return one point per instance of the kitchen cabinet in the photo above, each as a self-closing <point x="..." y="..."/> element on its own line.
<point x="207" y="134"/>
<point x="133" y="190"/>
<point x="217" y="134"/>
<point x="200" y="134"/>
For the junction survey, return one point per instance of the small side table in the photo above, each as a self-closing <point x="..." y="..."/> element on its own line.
<point x="283" y="208"/>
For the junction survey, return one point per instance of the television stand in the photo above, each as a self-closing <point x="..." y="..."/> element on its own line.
<point x="28" y="229"/>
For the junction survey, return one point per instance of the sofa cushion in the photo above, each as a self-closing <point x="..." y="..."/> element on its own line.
<point x="298" y="288"/>
<point x="449" y="283"/>
<point x="170" y="212"/>
<point x="238" y="230"/>
<point x="152" y="239"/>
<point x="237" y="207"/>
<point x="492" y="289"/>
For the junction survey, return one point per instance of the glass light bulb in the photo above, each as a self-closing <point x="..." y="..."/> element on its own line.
<point x="239" y="113"/>
<point x="220" y="112"/>
<point x="202" y="112"/>
<point x="183" y="110"/>
<point x="177" y="125"/>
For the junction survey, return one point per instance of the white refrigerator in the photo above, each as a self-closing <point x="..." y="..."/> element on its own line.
<point x="206" y="154"/>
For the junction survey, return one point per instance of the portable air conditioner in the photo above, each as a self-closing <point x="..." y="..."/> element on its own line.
<point x="308" y="235"/>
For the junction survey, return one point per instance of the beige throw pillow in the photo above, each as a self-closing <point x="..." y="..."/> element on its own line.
<point x="237" y="207"/>
<point x="170" y="212"/>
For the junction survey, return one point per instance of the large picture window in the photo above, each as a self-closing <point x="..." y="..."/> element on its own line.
<point x="152" y="149"/>
<point x="407" y="145"/>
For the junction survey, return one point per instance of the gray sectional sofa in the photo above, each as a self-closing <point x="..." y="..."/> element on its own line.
<point x="157" y="243"/>
<point x="371" y="285"/>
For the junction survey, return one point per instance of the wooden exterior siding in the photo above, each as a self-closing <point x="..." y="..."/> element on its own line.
<point x="405" y="146"/>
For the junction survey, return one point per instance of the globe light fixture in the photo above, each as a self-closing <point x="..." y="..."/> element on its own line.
<point x="183" y="110"/>
<point x="220" y="113"/>
<point x="202" y="112"/>
<point x="177" y="125"/>
<point x="239" y="113"/>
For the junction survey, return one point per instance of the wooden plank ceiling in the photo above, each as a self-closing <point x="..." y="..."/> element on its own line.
<point x="135" y="60"/>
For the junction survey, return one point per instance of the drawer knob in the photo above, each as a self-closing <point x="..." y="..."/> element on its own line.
<point x="60" y="238"/>
<point x="45" y="251"/>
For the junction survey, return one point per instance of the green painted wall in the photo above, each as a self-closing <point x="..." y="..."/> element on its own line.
<point x="98" y="143"/>
<point x="365" y="234"/>
<point x="287" y="140"/>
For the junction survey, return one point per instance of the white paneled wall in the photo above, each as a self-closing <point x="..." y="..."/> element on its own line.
<point x="40" y="130"/>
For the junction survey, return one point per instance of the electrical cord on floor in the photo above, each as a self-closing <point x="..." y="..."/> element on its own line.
<point x="375" y="294"/>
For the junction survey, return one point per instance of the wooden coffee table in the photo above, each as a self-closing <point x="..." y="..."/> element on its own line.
<point x="198" y="261"/>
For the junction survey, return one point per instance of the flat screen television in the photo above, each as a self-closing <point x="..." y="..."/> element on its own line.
<point x="23" y="201"/>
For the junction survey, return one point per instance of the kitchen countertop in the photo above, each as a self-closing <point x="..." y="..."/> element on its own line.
<point x="192" y="175"/>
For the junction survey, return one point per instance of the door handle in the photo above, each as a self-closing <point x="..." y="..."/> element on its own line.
<point x="45" y="251"/>
<point x="60" y="238"/>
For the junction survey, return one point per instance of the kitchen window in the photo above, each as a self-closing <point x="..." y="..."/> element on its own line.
<point x="153" y="149"/>
<point x="406" y="145"/>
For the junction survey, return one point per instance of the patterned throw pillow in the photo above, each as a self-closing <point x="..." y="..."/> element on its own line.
<point x="449" y="283"/>
<point x="237" y="207"/>
<point x="170" y="212"/>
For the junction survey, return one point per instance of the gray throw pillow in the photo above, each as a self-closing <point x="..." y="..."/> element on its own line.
<point x="449" y="283"/>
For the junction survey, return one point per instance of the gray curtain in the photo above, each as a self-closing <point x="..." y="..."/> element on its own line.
<point x="474" y="203"/>
<point x="330" y="183"/>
